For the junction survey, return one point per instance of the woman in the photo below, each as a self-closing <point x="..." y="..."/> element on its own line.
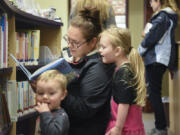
<point x="88" y="99"/>
<point x="159" y="52"/>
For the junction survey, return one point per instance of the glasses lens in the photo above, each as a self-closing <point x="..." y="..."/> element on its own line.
<point x="73" y="43"/>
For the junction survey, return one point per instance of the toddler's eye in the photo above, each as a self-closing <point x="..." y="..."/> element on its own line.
<point x="40" y="93"/>
<point x="52" y="93"/>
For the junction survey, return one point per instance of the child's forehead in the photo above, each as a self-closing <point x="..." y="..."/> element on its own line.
<point x="49" y="83"/>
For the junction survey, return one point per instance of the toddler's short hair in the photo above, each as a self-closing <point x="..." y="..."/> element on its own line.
<point x="54" y="75"/>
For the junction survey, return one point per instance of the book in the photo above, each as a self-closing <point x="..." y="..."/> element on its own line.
<point x="36" y="43"/>
<point x="60" y="64"/>
<point x="11" y="99"/>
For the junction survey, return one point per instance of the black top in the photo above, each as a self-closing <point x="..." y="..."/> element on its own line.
<point x="123" y="92"/>
<point x="88" y="99"/>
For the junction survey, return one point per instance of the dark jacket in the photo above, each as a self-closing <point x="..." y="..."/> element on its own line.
<point x="159" y="43"/>
<point x="88" y="99"/>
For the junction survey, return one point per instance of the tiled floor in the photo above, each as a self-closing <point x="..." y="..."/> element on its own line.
<point x="148" y="119"/>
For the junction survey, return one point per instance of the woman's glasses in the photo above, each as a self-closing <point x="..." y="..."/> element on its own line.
<point x="72" y="42"/>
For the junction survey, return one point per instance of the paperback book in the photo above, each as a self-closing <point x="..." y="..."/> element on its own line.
<point x="60" y="64"/>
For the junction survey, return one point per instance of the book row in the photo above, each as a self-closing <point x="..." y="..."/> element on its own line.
<point x="27" y="46"/>
<point x="20" y="98"/>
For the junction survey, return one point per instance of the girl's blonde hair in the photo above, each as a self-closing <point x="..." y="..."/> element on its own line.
<point x="121" y="38"/>
<point x="54" y="75"/>
<point x="102" y="5"/>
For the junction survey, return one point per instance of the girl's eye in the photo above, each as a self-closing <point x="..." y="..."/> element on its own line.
<point x="102" y="47"/>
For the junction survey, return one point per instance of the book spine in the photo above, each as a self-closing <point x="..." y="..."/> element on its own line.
<point x="36" y="44"/>
<point x="12" y="99"/>
<point x="26" y="48"/>
<point x="29" y="47"/>
<point x="17" y="46"/>
<point x="0" y="44"/>
<point x="6" y="39"/>
<point x="1" y="112"/>
<point x="3" y="33"/>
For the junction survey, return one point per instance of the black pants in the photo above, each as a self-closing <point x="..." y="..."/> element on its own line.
<point x="154" y="76"/>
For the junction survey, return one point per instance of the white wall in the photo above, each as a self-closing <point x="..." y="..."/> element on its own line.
<point x="136" y="20"/>
<point x="61" y="11"/>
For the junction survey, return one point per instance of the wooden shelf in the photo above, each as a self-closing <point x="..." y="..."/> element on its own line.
<point x="50" y="36"/>
<point x="28" y="116"/>
<point x="4" y="71"/>
<point x="6" y="130"/>
<point x="27" y="18"/>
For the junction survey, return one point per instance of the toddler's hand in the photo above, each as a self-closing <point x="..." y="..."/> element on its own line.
<point x="42" y="107"/>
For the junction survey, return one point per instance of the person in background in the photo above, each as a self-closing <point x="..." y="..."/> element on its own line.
<point x="107" y="16"/>
<point x="159" y="51"/>
<point x="50" y="91"/>
<point x="88" y="99"/>
<point x="128" y="86"/>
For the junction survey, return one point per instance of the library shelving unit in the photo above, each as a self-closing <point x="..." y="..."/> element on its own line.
<point x="50" y="35"/>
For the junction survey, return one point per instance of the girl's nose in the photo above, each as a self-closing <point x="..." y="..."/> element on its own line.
<point x="99" y="48"/>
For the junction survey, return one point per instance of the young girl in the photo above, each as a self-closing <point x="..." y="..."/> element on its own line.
<point x="129" y="89"/>
<point x="50" y="91"/>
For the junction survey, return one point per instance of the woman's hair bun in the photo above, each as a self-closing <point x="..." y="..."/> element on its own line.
<point x="90" y="14"/>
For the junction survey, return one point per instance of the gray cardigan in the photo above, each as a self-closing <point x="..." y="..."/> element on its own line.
<point x="54" y="123"/>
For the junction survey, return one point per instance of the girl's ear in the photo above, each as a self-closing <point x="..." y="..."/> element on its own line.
<point x="118" y="51"/>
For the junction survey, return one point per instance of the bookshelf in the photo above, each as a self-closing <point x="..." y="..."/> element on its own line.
<point x="50" y="35"/>
<point x="4" y="71"/>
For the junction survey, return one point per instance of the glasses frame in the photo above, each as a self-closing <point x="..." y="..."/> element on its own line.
<point x="73" y="43"/>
